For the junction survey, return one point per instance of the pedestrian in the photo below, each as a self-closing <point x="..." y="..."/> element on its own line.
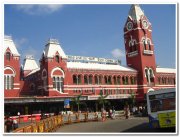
<point x="15" y="124"/>
<point x="127" y="111"/>
<point x="113" y="114"/>
<point x="8" y="124"/>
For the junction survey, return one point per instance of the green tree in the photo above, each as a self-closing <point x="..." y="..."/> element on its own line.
<point x="132" y="99"/>
<point x="102" y="99"/>
<point x="76" y="100"/>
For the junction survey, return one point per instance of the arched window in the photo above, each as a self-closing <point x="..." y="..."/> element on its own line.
<point x="8" y="56"/>
<point x="58" y="83"/>
<point x="149" y="44"/>
<point x="115" y="80"/>
<point x="105" y="80"/>
<point x="79" y="79"/>
<point x="118" y="80"/>
<point x="100" y="79"/>
<point x="57" y="58"/>
<point x="135" y="47"/>
<point x="85" y="79"/>
<point x="127" y="81"/>
<point x="146" y="74"/>
<point x="123" y="80"/>
<point x="109" y="80"/>
<point x="132" y="80"/>
<point x="96" y="80"/>
<point x="144" y="44"/>
<point x="75" y="79"/>
<point x="130" y="47"/>
<point x="90" y="79"/>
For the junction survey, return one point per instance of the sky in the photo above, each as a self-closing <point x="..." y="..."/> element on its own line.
<point x="88" y="30"/>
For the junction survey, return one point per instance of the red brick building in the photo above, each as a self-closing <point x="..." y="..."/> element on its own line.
<point x="60" y="76"/>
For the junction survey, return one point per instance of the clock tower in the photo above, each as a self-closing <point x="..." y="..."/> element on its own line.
<point x="139" y="48"/>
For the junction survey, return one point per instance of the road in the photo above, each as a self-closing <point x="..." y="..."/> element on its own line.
<point x="134" y="124"/>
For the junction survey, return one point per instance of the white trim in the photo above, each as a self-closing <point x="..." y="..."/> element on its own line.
<point x="16" y="88"/>
<point x="42" y="74"/>
<point x="16" y="83"/>
<point x="54" y="69"/>
<point x="8" y="67"/>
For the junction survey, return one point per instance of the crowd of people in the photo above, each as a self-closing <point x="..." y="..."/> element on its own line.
<point x="10" y="124"/>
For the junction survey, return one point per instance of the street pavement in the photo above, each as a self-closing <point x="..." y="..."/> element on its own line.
<point x="131" y="125"/>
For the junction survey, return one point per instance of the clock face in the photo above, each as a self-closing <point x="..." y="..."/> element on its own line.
<point x="145" y="24"/>
<point x="129" y="25"/>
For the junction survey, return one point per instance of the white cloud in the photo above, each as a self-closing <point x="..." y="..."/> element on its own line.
<point x="31" y="51"/>
<point x="39" y="9"/>
<point x="20" y="42"/>
<point x="117" y="53"/>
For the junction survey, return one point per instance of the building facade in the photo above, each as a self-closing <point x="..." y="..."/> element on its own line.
<point x="59" y="76"/>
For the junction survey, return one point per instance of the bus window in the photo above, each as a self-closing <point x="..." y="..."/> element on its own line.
<point x="162" y="105"/>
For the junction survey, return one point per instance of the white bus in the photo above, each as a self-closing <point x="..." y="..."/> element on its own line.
<point x="161" y="108"/>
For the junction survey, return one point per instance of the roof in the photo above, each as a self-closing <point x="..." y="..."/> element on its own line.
<point x="165" y="70"/>
<point x="135" y="12"/>
<point x="52" y="47"/>
<point x="8" y="43"/>
<point x="33" y="71"/>
<point x="95" y="66"/>
<point x="30" y="63"/>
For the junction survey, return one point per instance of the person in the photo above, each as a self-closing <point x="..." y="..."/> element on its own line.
<point x="110" y="113"/>
<point x="127" y="112"/>
<point x="113" y="114"/>
<point x="15" y="124"/>
<point x="8" y="124"/>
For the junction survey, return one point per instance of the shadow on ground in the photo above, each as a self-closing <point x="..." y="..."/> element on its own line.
<point x="146" y="128"/>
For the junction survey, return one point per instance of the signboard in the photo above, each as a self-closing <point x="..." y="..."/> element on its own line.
<point x="92" y="59"/>
<point x="167" y="119"/>
<point x="119" y="96"/>
<point x="66" y="103"/>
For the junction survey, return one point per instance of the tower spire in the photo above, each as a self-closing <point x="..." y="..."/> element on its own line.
<point x="136" y="12"/>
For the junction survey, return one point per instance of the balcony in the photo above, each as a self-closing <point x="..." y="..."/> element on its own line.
<point x="132" y="54"/>
<point x="148" y="52"/>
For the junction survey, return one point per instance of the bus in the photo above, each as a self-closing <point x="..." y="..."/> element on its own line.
<point x="161" y="108"/>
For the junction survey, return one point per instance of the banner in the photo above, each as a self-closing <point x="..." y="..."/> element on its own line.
<point x="66" y="103"/>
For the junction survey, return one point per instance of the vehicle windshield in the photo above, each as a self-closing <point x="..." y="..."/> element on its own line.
<point x="162" y="102"/>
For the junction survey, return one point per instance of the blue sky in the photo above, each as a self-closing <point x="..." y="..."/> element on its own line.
<point x="88" y="30"/>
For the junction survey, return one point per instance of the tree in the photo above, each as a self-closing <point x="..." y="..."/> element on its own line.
<point x="77" y="100"/>
<point x="102" y="99"/>
<point x="132" y="99"/>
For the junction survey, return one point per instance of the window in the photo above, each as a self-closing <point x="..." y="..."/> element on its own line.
<point x="118" y="80"/>
<point x="90" y="79"/>
<point x="58" y="83"/>
<point x="85" y="79"/>
<point x="57" y="58"/>
<point x="134" y="47"/>
<point x="79" y="79"/>
<point x="115" y="81"/>
<point x="8" y="82"/>
<point x="149" y="44"/>
<point x="100" y="79"/>
<point x="96" y="80"/>
<point x="146" y="74"/>
<point x="105" y="80"/>
<point x="75" y="79"/>
<point x="109" y="80"/>
<point x="132" y="80"/>
<point x="144" y="44"/>
<point x="8" y="56"/>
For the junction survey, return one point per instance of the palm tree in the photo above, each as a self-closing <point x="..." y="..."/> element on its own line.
<point x="102" y="99"/>
<point x="77" y="100"/>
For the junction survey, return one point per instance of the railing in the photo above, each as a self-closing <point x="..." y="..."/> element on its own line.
<point x="52" y="123"/>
